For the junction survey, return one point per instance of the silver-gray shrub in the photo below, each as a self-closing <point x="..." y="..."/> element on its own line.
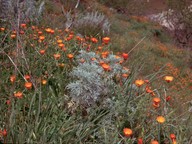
<point x="22" y="10"/>
<point x="90" y="23"/>
<point x="90" y="82"/>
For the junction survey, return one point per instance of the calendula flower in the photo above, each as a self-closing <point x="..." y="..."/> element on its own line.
<point x="12" y="78"/>
<point x="139" y="83"/>
<point x="125" y="56"/>
<point x="41" y="38"/>
<point x="2" y="29"/>
<point x="173" y="137"/>
<point x="23" y="25"/>
<point x="106" y="67"/>
<point x="127" y="132"/>
<point x="42" y="52"/>
<point x="44" y="82"/>
<point x="59" y="41"/>
<point x="28" y="85"/>
<point x="48" y="30"/>
<point x="160" y="119"/>
<point x="27" y="77"/>
<point x="13" y="36"/>
<point x="106" y="40"/>
<point x="168" y="78"/>
<point x="156" y="100"/>
<point x="61" y="45"/>
<point x="18" y="94"/>
<point x="57" y="56"/>
<point x="125" y="75"/>
<point x="94" y="40"/>
<point x="70" y="56"/>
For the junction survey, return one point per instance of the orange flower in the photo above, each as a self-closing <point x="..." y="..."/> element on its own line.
<point x="125" y="56"/>
<point x="42" y="52"/>
<point x="139" y="83"/>
<point x="52" y="31"/>
<point x="140" y="141"/>
<point x="12" y="78"/>
<point x="154" y="142"/>
<point x="156" y="100"/>
<point x="3" y="133"/>
<point x="61" y="45"/>
<point x="155" y="105"/>
<point x="57" y="56"/>
<point x="23" y="25"/>
<point x="172" y="136"/>
<point x="168" y="98"/>
<point x="27" y="77"/>
<point x="99" y="48"/>
<point x="94" y="40"/>
<point x="18" y="94"/>
<point x="14" y="32"/>
<point x="125" y="75"/>
<point x="106" y="67"/>
<point x="33" y="27"/>
<point x="148" y="89"/>
<point x="106" y="40"/>
<point x="8" y="102"/>
<point x="28" y="85"/>
<point x="21" y="32"/>
<point x="40" y="33"/>
<point x="105" y="54"/>
<point x="2" y="29"/>
<point x="59" y="41"/>
<point x="13" y="36"/>
<point x="61" y="65"/>
<point x="41" y="38"/>
<point x="168" y="78"/>
<point x="71" y="36"/>
<point x="44" y="82"/>
<point x="160" y="119"/>
<point x="48" y="30"/>
<point x="70" y="56"/>
<point x="127" y="132"/>
<point x="64" y="49"/>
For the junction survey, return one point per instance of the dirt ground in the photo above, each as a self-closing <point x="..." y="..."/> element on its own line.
<point x="155" y="6"/>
